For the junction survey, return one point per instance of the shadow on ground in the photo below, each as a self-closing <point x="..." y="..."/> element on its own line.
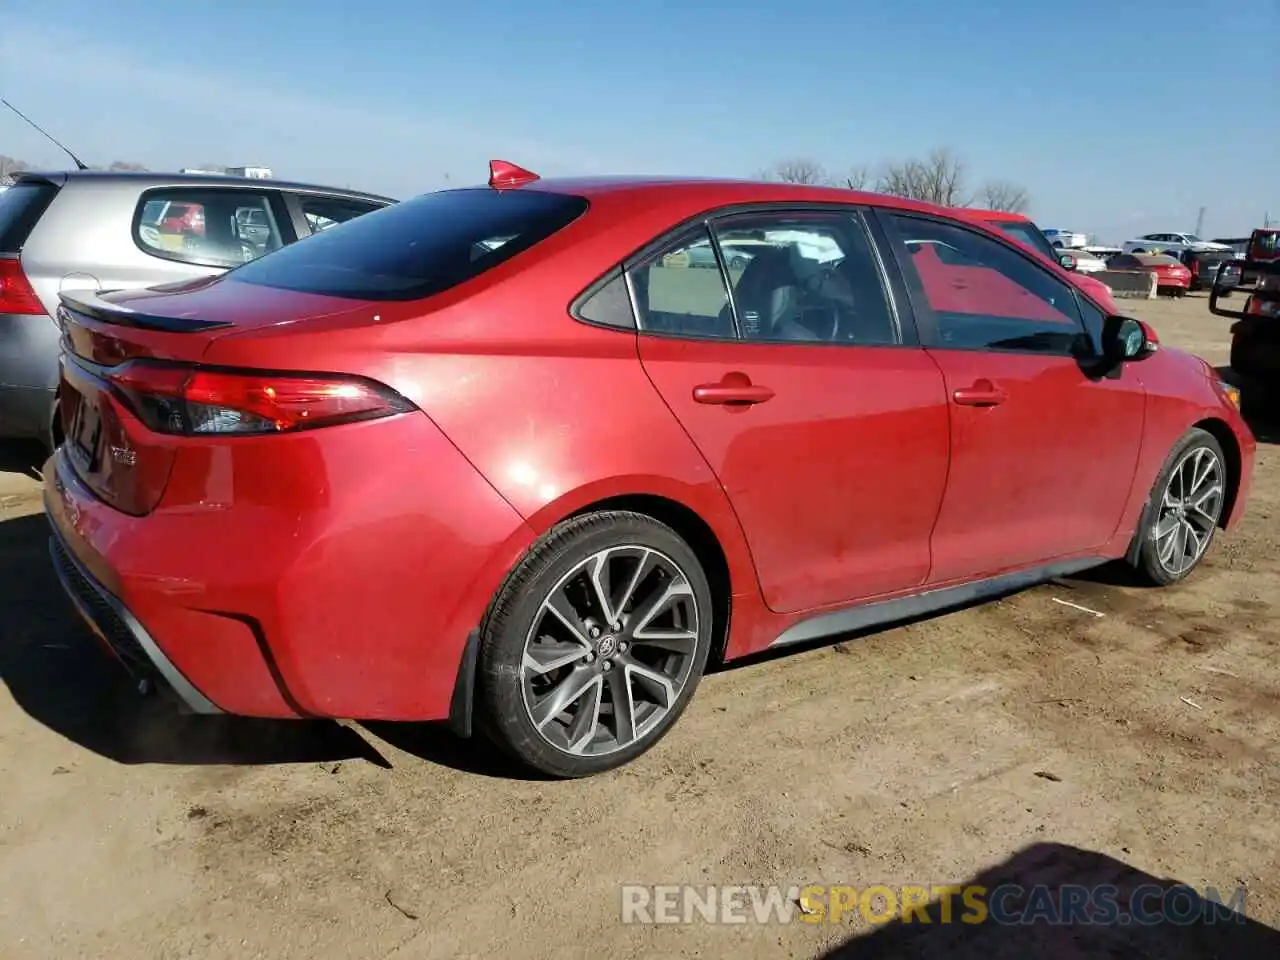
<point x="62" y="678"/>
<point x="1187" y="934"/>
<point x="436" y="743"/>
<point x="22" y="456"/>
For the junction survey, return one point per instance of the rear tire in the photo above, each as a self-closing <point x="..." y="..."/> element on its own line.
<point x="1184" y="510"/>
<point x="594" y="645"/>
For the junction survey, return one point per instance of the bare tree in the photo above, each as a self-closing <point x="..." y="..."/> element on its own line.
<point x="857" y="178"/>
<point x="1004" y="195"/>
<point x="939" y="178"/>
<point x="797" y="170"/>
<point x="10" y="165"/>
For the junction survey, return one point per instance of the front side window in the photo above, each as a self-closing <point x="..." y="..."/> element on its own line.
<point x="805" y="277"/>
<point x="985" y="296"/>
<point x="206" y="226"/>
<point x="416" y="248"/>
<point x="1027" y="234"/>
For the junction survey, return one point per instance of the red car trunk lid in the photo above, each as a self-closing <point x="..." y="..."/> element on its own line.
<point x="109" y="446"/>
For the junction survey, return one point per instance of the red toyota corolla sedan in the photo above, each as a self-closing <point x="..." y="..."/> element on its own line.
<point x="531" y="454"/>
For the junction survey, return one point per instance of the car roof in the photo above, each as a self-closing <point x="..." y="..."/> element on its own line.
<point x="992" y="216"/>
<point x="1153" y="259"/>
<point x="149" y="179"/>
<point x="716" y="192"/>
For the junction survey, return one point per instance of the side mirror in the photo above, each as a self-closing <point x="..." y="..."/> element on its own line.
<point x="1067" y="261"/>
<point x="1227" y="276"/>
<point x="1125" y="339"/>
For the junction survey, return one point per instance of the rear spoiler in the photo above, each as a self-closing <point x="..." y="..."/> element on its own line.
<point x="1263" y="268"/>
<point x="88" y="304"/>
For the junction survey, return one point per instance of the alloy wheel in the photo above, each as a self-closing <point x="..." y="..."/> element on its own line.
<point x="1189" y="510"/>
<point x="610" y="650"/>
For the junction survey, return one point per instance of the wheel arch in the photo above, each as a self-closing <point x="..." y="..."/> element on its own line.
<point x="702" y="540"/>
<point x="1220" y="431"/>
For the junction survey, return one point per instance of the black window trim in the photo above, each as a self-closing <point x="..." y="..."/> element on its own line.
<point x="279" y="210"/>
<point x="900" y="303"/>
<point x="927" y="322"/>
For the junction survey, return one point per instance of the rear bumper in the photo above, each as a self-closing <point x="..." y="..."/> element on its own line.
<point x="331" y="574"/>
<point x="119" y="630"/>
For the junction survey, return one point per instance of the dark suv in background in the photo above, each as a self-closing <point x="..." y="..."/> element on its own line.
<point x="1203" y="265"/>
<point x="89" y="230"/>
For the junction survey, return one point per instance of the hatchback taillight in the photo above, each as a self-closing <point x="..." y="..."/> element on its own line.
<point x="176" y="399"/>
<point x="16" y="293"/>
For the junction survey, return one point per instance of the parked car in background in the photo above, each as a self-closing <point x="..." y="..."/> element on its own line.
<point x="1239" y="245"/>
<point x="1082" y="261"/>
<point x="299" y="489"/>
<point x="1065" y="239"/>
<point x="1103" y="253"/>
<point x="1024" y="230"/>
<point x="1172" y="277"/>
<point x="1255" y="336"/>
<point x="1203" y="265"/>
<point x="1169" y="243"/>
<point x="112" y="231"/>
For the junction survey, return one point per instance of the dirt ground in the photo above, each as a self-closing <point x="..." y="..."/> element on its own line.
<point x="1021" y="735"/>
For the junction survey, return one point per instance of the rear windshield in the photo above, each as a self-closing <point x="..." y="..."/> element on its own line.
<point x="417" y="248"/>
<point x="20" y="207"/>
<point x="1027" y="234"/>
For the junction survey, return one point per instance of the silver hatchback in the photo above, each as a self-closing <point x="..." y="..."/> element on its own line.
<point x="92" y="230"/>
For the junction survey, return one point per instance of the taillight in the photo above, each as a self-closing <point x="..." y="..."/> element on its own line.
<point x="176" y="399"/>
<point x="1267" y="308"/>
<point x="1195" y="268"/>
<point x="16" y="294"/>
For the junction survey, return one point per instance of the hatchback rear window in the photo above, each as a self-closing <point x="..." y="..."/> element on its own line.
<point x="20" y="207"/>
<point x="417" y="248"/>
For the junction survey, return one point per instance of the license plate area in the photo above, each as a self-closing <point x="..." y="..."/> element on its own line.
<point x="84" y="434"/>
<point x="84" y="424"/>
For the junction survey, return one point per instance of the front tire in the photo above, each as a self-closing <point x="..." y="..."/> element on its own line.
<point x="1184" y="510"/>
<point x="594" y="645"/>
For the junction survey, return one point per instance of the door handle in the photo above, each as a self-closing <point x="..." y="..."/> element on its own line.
<point x="734" y="388"/>
<point x="983" y="393"/>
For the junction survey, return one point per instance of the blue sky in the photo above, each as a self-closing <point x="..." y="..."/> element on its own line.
<point x="1105" y="112"/>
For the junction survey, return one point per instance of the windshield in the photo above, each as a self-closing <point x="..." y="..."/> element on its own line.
<point x="417" y="248"/>
<point x="1027" y="234"/>
<point x="1192" y="238"/>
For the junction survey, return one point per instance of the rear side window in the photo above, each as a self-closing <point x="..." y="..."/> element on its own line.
<point x="20" y="207"/>
<point x="205" y="226"/>
<point x="417" y="248"/>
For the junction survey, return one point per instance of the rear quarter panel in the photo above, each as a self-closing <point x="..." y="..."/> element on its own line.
<point x="556" y="414"/>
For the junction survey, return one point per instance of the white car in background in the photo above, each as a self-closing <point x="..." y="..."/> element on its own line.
<point x="1174" y="243"/>
<point x="1087" y="262"/>
<point x="1065" y="239"/>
